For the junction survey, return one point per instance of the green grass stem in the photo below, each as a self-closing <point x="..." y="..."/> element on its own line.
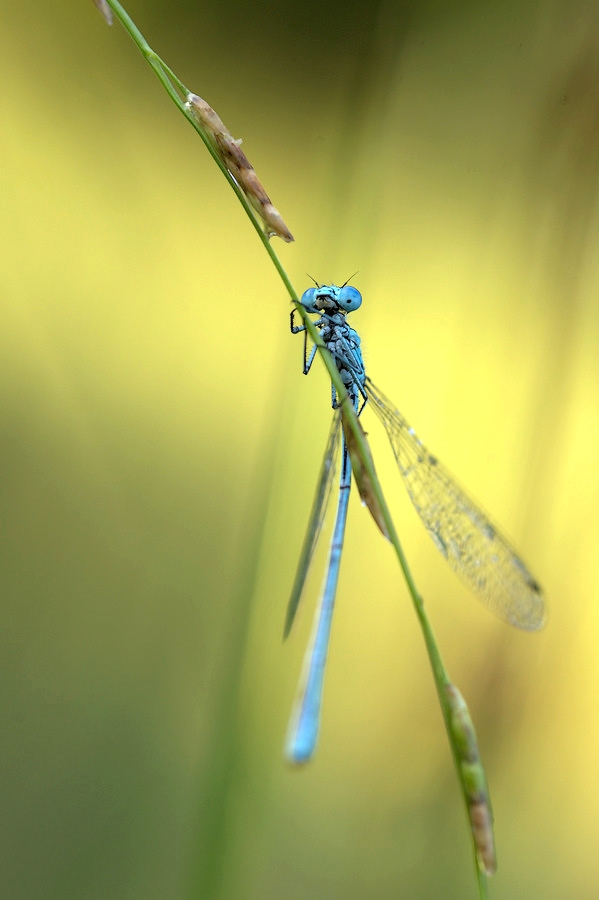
<point x="178" y="92"/>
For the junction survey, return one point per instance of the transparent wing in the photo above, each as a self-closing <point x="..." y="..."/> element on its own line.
<point x="317" y="514"/>
<point x="460" y="530"/>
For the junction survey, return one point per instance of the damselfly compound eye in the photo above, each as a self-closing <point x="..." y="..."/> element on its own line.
<point x="349" y="298"/>
<point x="308" y="299"/>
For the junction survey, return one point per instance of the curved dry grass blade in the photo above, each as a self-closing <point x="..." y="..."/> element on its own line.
<point x="367" y="494"/>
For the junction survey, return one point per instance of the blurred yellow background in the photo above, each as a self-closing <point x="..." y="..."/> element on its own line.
<point x="160" y="447"/>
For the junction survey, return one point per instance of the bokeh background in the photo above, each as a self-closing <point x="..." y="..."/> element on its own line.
<point x="159" y="446"/>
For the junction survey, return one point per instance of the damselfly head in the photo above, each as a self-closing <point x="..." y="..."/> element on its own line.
<point x="331" y="298"/>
